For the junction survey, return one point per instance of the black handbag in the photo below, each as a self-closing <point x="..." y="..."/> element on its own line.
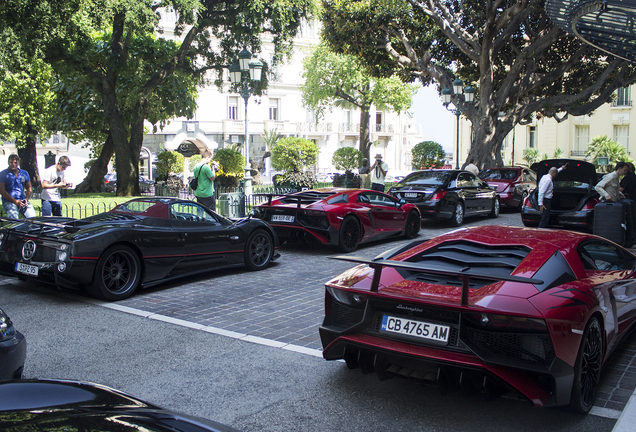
<point x="194" y="183"/>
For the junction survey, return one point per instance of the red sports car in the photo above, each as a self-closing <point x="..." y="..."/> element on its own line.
<point x="490" y="308"/>
<point x="338" y="216"/>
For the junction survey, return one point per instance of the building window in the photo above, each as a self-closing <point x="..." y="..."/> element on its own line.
<point x="232" y="113"/>
<point x="532" y="136"/>
<point x="378" y="121"/>
<point x="581" y="139"/>
<point x="621" y="135"/>
<point x="623" y="98"/>
<point x="274" y="109"/>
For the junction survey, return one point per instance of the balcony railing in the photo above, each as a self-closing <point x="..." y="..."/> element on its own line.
<point x="621" y="103"/>
<point x="313" y="127"/>
<point x="349" y="127"/>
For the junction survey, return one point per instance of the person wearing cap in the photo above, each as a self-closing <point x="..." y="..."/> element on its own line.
<point x="378" y="173"/>
<point x="52" y="182"/>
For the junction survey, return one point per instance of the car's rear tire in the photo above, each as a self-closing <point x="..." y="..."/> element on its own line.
<point x="259" y="249"/>
<point x="496" y="207"/>
<point x="458" y="215"/>
<point x="587" y="370"/>
<point x="413" y="224"/>
<point x="117" y="274"/>
<point x="349" y="236"/>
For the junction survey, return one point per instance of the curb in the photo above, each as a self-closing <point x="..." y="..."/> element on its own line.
<point x="627" y="419"/>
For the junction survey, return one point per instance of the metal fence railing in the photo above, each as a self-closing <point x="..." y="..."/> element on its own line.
<point x="230" y="201"/>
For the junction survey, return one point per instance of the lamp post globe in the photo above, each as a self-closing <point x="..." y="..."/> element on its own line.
<point x="469" y="97"/>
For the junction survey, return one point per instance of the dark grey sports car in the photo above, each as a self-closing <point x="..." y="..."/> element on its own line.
<point x="139" y="243"/>
<point x="56" y="405"/>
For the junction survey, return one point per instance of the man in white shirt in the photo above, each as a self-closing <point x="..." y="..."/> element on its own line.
<point x="546" y="191"/>
<point x="378" y="173"/>
<point x="52" y="182"/>
<point x="471" y="167"/>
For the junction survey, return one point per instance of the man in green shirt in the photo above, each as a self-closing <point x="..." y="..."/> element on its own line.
<point x="205" y="175"/>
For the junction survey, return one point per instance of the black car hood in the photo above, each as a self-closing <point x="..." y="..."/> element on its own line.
<point x="576" y="170"/>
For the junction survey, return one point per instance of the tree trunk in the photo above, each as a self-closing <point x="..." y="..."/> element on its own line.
<point x="28" y="159"/>
<point x="365" y="143"/>
<point x="127" y="161"/>
<point x="95" y="176"/>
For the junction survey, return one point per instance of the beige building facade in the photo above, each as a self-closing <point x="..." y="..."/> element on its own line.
<point x="571" y="136"/>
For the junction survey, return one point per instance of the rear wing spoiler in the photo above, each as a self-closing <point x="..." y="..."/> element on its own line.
<point x="296" y="196"/>
<point x="463" y="274"/>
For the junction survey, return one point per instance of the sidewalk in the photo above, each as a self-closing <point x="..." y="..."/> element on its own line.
<point x="627" y="420"/>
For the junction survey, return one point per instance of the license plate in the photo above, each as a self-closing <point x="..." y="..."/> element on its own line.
<point x="28" y="269"/>
<point x="282" y="218"/>
<point x="419" y="329"/>
<point x="410" y="195"/>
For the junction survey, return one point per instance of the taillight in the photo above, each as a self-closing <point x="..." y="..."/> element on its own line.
<point x="438" y="195"/>
<point x="591" y="204"/>
<point x="526" y="202"/>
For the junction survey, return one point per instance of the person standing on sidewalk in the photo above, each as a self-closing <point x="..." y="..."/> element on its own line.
<point x="378" y="173"/>
<point x="609" y="188"/>
<point x="205" y="175"/>
<point x="52" y="182"/>
<point x="15" y="188"/>
<point x="546" y="191"/>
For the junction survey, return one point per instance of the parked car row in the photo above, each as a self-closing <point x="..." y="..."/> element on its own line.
<point x="110" y="183"/>
<point x="482" y="308"/>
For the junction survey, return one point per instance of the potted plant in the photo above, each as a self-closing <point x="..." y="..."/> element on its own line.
<point x="292" y="155"/>
<point x="347" y="159"/>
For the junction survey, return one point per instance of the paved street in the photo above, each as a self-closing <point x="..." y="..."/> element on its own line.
<point x="205" y="365"/>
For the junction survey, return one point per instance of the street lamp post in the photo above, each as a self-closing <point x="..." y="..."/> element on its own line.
<point x="469" y="96"/>
<point x="247" y="72"/>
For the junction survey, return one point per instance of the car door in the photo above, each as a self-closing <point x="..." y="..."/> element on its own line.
<point x="208" y="241"/>
<point x="386" y="212"/>
<point x="617" y="293"/>
<point x="467" y="187"/>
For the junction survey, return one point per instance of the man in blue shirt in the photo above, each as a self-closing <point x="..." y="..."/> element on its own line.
<point x="15" y="188"/>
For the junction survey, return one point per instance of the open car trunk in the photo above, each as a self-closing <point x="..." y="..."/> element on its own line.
<point x="568" y="199"/>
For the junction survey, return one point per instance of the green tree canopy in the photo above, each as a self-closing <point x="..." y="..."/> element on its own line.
<point x="347" y="159"/>
<point x="293" y="154"/>
<point x="428" y="154"/>
<point x="211" y="33"/>
<point x="519" y="61"/>
<point x="231" y="162"/>
<point x="25" y="104"/>
<point x="342" y="80"/>
<point x="168" y="163"/>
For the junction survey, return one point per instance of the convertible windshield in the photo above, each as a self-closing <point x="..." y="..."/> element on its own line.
<point x="426" y="178"/>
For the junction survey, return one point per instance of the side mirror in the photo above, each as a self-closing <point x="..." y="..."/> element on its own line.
<point x="402" y="202"/>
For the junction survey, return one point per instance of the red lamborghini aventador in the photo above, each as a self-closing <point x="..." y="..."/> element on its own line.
<point x="338" y="216"/>
<point x="490" y="308"/>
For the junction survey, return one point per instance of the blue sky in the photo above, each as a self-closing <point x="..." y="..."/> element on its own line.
<point x="437" y="123"/>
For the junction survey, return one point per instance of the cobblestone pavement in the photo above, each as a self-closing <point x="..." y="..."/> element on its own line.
<point x="284" y="303"/>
